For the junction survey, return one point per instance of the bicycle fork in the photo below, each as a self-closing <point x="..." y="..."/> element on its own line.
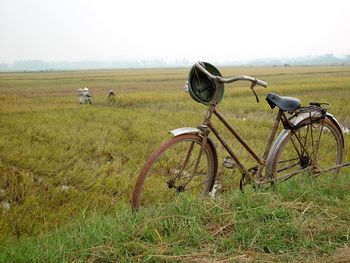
<point x="205" y="130"/>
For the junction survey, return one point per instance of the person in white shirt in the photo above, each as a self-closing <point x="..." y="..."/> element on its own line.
<point x="80" y="96"/>
<point x="86" y="95"/>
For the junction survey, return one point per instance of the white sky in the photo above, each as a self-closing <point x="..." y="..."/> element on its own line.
<point x="217" y="30"/>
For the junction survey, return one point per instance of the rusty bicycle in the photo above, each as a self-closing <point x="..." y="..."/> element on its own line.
<point x="311" y="141"/>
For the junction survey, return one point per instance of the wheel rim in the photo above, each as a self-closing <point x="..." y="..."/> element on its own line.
<point x="170" y="173"/>
<point x="312" y="148"/>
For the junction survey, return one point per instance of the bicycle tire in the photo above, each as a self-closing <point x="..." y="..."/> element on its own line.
<point x="316" y="153"/>
<point x="163" y="175"/>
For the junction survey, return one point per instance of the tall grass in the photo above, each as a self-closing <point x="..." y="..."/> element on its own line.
<point x="71" y="165"/>
<point x="304" y="220"/>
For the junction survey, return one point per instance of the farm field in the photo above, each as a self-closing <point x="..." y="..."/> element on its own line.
<point x="67" y="171"/>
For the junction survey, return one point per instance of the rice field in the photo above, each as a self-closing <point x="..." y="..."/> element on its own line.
<point x="62" y="162"/>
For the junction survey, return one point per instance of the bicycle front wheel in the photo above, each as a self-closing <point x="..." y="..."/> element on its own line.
<point x="316" y="147"/>
<point x="176" y="167"/>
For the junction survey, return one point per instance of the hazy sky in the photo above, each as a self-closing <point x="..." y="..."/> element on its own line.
<point x="217" y="30"/>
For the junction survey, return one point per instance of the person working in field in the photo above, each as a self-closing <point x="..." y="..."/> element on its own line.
<point x="80" y="96"/>
<point x="86" y="96"/>
<point x="111" y="93"/>
<point x="111" y="97"/>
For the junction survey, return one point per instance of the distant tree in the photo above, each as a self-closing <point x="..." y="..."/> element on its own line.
<point x="4" y="67"/>
<point x="31" y="65"/>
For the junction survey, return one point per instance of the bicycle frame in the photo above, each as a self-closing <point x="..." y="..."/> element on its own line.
<point x="279" y="160"/>
<point x="261" y="162"/>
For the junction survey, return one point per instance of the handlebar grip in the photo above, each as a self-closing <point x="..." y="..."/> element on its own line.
<point x="261" y="83"/>
<point x="225" y="80"/>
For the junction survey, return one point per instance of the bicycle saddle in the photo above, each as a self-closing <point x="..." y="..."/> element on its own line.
<point x="284" y="103"/>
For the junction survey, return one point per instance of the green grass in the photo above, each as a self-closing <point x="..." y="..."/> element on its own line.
<point x="67" y="171"/>
<point x="303" y="220"/>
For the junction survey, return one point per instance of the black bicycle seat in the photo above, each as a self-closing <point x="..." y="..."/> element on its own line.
<point x="284" y="103"/>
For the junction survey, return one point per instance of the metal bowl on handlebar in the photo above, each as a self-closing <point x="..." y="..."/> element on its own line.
<point x="204" y="79"/>
<point x="202" y="83"/>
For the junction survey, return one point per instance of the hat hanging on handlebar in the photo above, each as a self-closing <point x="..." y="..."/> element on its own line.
<point x="201" y="87"/>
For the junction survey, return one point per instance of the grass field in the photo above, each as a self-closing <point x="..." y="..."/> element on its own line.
<point x="67" y="171"/>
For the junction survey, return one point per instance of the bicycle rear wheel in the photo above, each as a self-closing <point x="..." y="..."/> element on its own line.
<point x="171" y="170"/>
<point x="316" y="147"/>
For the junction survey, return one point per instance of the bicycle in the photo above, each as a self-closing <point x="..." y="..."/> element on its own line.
<point x="311" y="141"/>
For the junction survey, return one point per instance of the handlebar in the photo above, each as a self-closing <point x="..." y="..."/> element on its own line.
<point x="254" y="81"/>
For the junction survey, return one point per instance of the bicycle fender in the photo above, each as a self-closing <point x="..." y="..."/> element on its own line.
<point x="337" y="124"/>
<point x="185" y="130"/>
<point x="304" y="116"/>
<point x="285" y="132"/>
<point x="191" y="130"/>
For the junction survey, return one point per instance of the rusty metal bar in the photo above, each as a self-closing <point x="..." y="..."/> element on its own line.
<point x="240" y="166"/>
<point x="287" y="176"/>
<point x="269" y="143"/>
<point x="234" y="133"/>
<point x="333" y="168"/>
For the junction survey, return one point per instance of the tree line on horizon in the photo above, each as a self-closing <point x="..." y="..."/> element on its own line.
<point x="41" y="65"/>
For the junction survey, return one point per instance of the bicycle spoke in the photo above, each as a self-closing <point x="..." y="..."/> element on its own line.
<point x="175" y="168"/>
<point x="285" y="161"/>
<point x="314" y="147"/>
<point x="288" y="167"/>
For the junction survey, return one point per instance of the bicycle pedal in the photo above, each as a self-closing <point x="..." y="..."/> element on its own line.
<point x="228" y="162"/>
